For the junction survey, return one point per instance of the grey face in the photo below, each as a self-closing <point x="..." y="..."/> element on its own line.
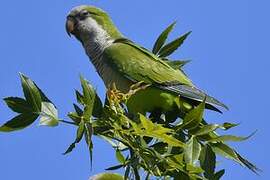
<point x="82" y="24"/>
<point x="77" y="21"/>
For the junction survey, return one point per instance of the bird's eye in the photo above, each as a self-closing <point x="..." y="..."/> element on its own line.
<point x="84" y="13"/>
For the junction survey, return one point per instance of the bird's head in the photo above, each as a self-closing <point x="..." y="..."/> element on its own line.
<point x="89" y="22"/>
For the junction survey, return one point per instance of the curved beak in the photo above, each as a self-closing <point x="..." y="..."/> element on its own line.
<point x="70" y="25"/>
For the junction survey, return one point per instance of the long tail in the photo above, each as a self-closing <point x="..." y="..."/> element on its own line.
<point x="195" y="95"/>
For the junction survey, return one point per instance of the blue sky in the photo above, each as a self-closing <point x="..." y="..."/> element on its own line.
<point x="228" y="46"/>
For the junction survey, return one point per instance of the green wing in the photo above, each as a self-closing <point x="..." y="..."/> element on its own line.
<point x="138" y="64"/>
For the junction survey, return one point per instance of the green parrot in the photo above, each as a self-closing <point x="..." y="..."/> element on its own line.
<point x="121" y="62"/>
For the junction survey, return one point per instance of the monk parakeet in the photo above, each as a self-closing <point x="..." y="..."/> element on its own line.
<point x="121" y="62"/>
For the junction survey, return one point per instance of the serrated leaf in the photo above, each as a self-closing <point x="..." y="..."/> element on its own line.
<point x="172" y="46"/>
<point x="162" y="38"/>
<point x="193" y="118"/>
<point x="18" y="105"/>
<point x="79" y="136"/>
<point x="107" y="176"/>
<point x="19" y="122"/>
<point x="192" y="151"/>
<point x="120" y="157"/>
<point x="48" y="115"/>
<point x="150" y="129"/>
<point x="31" y="93"/>
<point x="148" y="125"/>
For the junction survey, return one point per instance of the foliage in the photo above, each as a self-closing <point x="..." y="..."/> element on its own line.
<point x="107" y="176"/>
<point x="185" y="148"/>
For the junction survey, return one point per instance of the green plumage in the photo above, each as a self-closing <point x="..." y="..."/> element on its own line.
<point x="122" y="62"/>
<point x="140" y="66"/>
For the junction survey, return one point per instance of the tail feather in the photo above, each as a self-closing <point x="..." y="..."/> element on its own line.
<point x="195" y="94"/>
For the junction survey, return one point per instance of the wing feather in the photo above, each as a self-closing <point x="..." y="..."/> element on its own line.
<point x="138" y="64"/>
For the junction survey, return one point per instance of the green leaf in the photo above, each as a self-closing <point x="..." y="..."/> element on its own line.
<point x="80" y="132"/>
<point x="150" y="129"/>
<point x="162" y="38"/>
<point x="205" y="129"/>
<point x="225" y="151"/>
<point x="193" y="169"/>
<point x="248" y="164"/>
<point x="172" y="46"/>
<point x="79" y="97"/>
<point x="87" y="113"/>
<point x="31" y="93"/>
<point x="70" y="148"/>
<point x="88" y="138"/>
<point x="177" y="64"/>
<point x="219" y="174"/>
<point x="88" y="91"/>
<point x="227" y="125"/>
<point x="19" y="122"/>
<point x="48" y="115"/>
<point x="78" y="110"/>
<point x="88" y="98"/>
<point x="161" y="147"/>
<point x="176" y="161"/>
<point x="43" y="96"/>
<point x="193" y="117"/>
<point x="182" y="176"/>
<point x="18" y="105"/>
<point x="212" y="127"/>
<point x="120" y="157"/>
<point x="74" y="117"/>
<point x="107" y="176"/>
<point x="230" y="138"/>
<point x="114" y="167"/>
<point x="98" y="107"/>
<point x="192" y="151"/>
<point x="208" y="161"/>
<point x="79" y="136"/>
